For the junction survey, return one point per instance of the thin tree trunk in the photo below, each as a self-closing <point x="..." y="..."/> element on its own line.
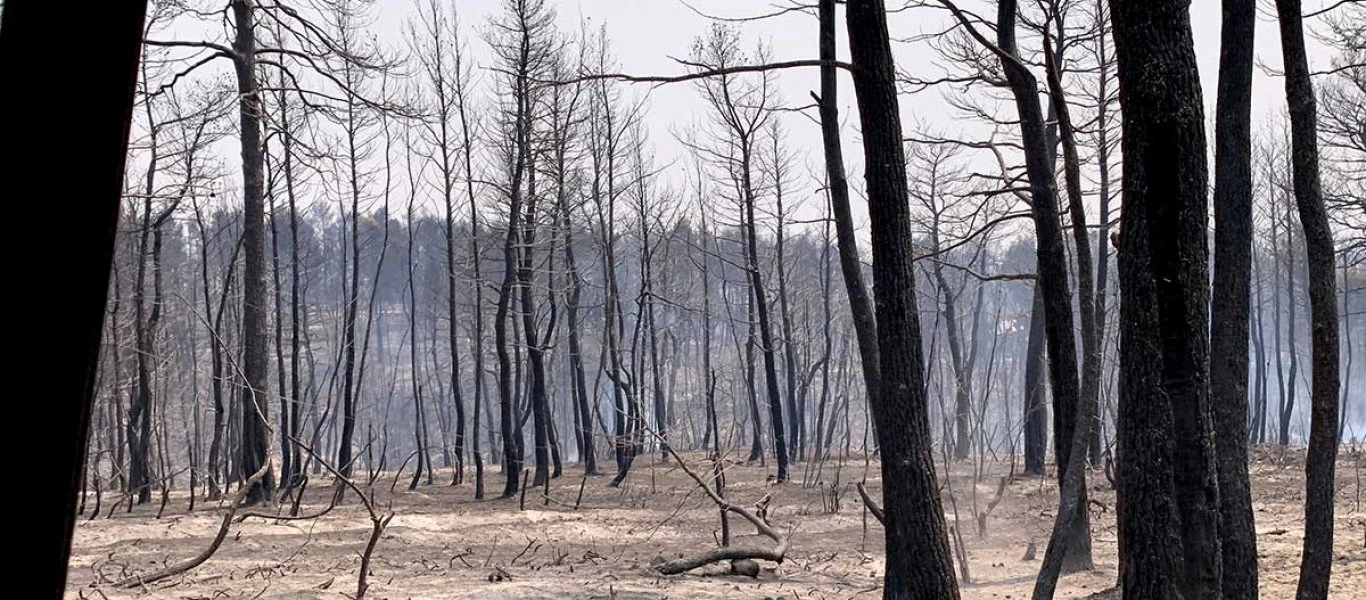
<point x="1317" y="560"/>
<point x="860" y="305"/>
<point x="477" y="283"/>
<point x="1292" y="378"/>
<point x="1103" y="240"/>
<point x="794" y="416"/>
<point x="756" y="282"/>
<point x="255" y="369"/>
<point x="539" y="395"/>
<point x="583" y="416"/>
<point x="1035" y="410"/>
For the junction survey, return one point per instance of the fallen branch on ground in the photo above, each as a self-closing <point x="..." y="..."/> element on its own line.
<point x="172" y="571"/>
<point x="733" y="553"/>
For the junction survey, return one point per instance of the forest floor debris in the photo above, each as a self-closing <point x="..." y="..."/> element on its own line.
<point x="443" y="545"/>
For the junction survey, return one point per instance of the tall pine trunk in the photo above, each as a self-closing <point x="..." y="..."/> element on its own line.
<point x="255" y="363"/>
<point x="1316" y="563"/>
<point x="1168" y="493"/>
<point x="918" y="561"/>
<point x="1229" y="309"/>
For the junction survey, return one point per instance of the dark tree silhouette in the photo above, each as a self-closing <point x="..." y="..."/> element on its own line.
<point x="1229" y="309"/>
<point x="1316" y="564"/>
<point x="918" y="560"/>
<point x="1168" y="494"/>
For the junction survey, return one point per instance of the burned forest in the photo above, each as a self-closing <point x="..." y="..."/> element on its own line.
<point x="544" y="299"/>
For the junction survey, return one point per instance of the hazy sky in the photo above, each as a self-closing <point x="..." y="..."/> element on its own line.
<point x="645" y="33"/>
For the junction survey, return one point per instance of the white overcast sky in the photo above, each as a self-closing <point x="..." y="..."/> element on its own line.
<point x="645" y="33"/>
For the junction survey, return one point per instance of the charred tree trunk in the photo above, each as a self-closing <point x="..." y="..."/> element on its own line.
<point x="255" y="363"/>
<point x="1229" y="308"/>
<point x="457" y="399"/>
<point x="579" y="386"/>
<point x="962" y="375"/>
<point x="1168" y="493"/>
<point x="860" y="305"/>
<point x="476" y="260"/>
<point x="539" y="394"/>
<point x="296" y="300"/>
<point x="766" y="342"/>
<point x="1288" y="397"/>
<point x="790" y="367"/>
<point x="1035" y="410"/>
<point x="1316" y="563"/>
<point x="918" y="561"/>
<point x="1052" y="267"/>
<point x="140" y="408"/>
<point x="756" y="447"/>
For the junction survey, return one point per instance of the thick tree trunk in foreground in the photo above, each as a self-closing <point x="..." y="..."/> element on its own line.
<point x="918" y="560"/>
<point x="1168" y="494"/>
<point x="1230" y="311"/>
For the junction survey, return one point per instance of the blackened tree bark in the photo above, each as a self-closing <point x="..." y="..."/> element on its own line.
<point x="284" y="429"/>
<point x="918" y="561"/>
<point x="1168" y="493"/>
<point x="476" y="260"/>
<point x="742" y="112"/>
<point x="1052" y="268"/>
<point x="947" y="300"/>
<point x="539" y="394"/>
<point x="1089" y="393"/>
<point x="519" y="43"/>
<point x="139" y="434"/>
<point x="291" y="424"/>
<point x="1102" y="120"/>
<point x="350" y="378"/>
<point x="424" y="458"/>
<point x="775" y="402"/>
<point x="255" y="363"/>
<point x="216" y="349"/>
<point x="573" y="299"/>
<point x="647" y="301"/>
<point x="442" y="65"/>
<point x="860" y="306"/>
<point x="756" y="446"/>
<point x="1229" y="309"/>
<point x="296" y="300"/>
<point x="1316" y="563"/>
<point x="795" y="407"/>
<point x="1288" y="393"/>
<point x="1035" y="410"/>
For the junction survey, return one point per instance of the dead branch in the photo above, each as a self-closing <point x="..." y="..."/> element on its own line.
<point x="684" y="565"/>
<point x="376" y="530"/>
<point x="873" y="506"/>
<point x="378" y="522"/>
<point x="177" y="569"/>
<point x="982" y="516"/>
<point x="775" y="554"/>
<point x="700" y="74"/>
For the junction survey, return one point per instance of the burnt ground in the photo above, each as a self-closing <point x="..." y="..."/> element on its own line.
<point x="443" y="544"/>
